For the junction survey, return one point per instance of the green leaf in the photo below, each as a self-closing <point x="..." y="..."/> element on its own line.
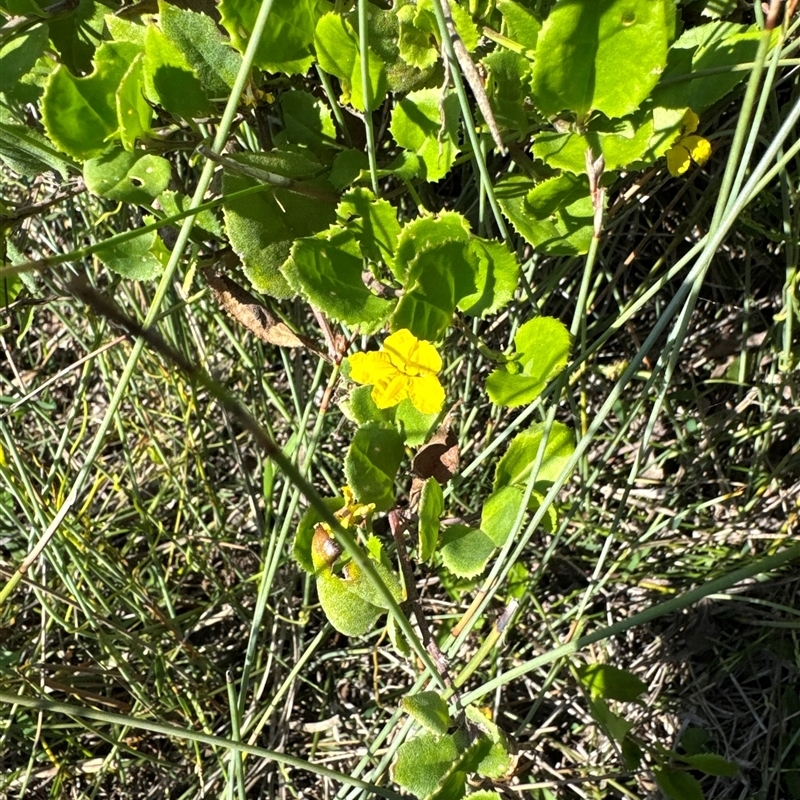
<point x="301" y="548"/>
<point x="133" y="111"/>
<point x="361" y="409"/>
<point x="344" y="607"/>
<point x="371" y="465"/>
<point x="496" y="278"/>
<point x="498" y="761"/>
<point x="139" y="259"/>
<point x="415" y="41"/>
<point x="437" y="266"/>
<point x="262" y="227"/>
<point x="80" y="114"/>
<point x="429" y="710"/>
<point x="611" y="683"/>
<point x="347" y="166"/>
<point x="173" y="203"/>
<point x="18" y="56"/>
<point x="307" y="121"/>
<point x="431" y="507"/>
<point x="423" y="761"/>
<point x="500" y="512"/>
<point x="169" y="79"/>
<point x="555" y="215"/>
<point x="337" y="46"/>
<point x="285" y="45"/>
<point x="130" y="177"/>
<point x="326" y="269"/>
<point x="516" y="464"/>
<point x="678" y="785"/>
<point x="27" y="152"/>
<point x="76" y="34"/>
<point x="465" y="551"/>
<point x="126" y="30"/>
<point x="717" y="45"/>
<point x="485" y="794"/>
<point x="384" y="32"/>
<point x="614" y="725"/>
<point x="712" y="764"/>
<point x="519" y="23"/>
<point x="604" y="55"/>
<point x="214" y="62"/>
<point x="542" y="349"/>
<point x="507" y="76"/>
<point x="417" y="125"/>
<point x="414" y="426"/>
<point x="374" y="223"/>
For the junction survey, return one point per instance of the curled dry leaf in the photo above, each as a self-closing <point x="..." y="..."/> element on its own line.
<point x="439" y="457"/>
<point x="242" y="306"/>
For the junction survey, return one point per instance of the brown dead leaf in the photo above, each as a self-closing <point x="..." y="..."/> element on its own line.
<point x="242" y="306"/>
<point x="439" y="457"/>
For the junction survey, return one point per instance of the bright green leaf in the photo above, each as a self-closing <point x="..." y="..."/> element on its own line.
<point x="429" y="710"/>
<point x="507" y="76"/>
<point x="602" y="55"/>
<point x="80" y="114"/>
<point x="555" y="215"/>
<point x="344" y="607"/>
<point x="611" y="683"/>
<point x="130" y="177"/>
<point x="174" y="203"/>
<point x="384" y="32"/>
<point x="326" y="269"/>
<point x="371" y="465"/>
<point x="374" y="223"/>
<point x="496" y="278"/>
<point x="516" y="464"/>
<point x="285" y="45"/>
<point x="133" y="111"/>
<point x="19" y="54"/>
<point x="497" y="761"/>
<point x="415" y="427"/>
<point x="423" y="761"/>
<point x="500" y="513"/>
<point x="431" y="507"/>
<point x="417" y="126"/>
<point x="214" y="62"/>
<point x="465" y="551"/>
<point x="520" y="24"/>
<point x="169" y="79"/>
<point x="361" y="409"/>
<point x="337" y="46"/>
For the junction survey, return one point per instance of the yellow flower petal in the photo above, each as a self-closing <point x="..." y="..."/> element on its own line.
<point x="369" y="368"/>
<point x="698" y="147"/>
<point x="411" y="355"/>
<point x="426" y="394"/>
<point x="678" y="160"/>
<point x="690" y="122"/>
<point x="389" y="393"/>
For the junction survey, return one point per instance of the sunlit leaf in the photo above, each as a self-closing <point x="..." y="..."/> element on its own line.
<point x="611" y="683"/>
<point x="604" y="56"/>
<point x="498" y="761"/>
<point x="496" y="278"/>
<point x="139" y="259"/>
<point x="429" y="710"/>
<point x="520" y="24"/>
<point x="131" y="177"/>
<point x="337" y="46"/>
<point x="19" y="54"/>
<point x="327" y="270"/>
<point x="371" y="465"/>
<point x="431" y="507"/>
<point x="285" y="45"/>
<point x="417" y="125"/>
<point x="133" y="111"/>
<point x="373" y="221"/>
<point x="465" y="551"/>
<point x="423" y="761"/>
<point x="712" y="764"/>
<point x="516" y="464"/>
<point x="500" y="512"/>
<point x="301" y="548"/>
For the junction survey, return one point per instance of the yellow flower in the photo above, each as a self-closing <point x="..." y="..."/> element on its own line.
<point x="688" y="147"/>
<point x="404" y="367"/>
<point x="352" y="512"/>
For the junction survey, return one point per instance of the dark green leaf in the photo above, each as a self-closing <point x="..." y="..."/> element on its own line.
<point x="614" y="725"/>
<point x="307" y="121"/>
<point x="678" y="785"/>
<point x="27" y="152"/>
<point x="215" y="63"/>
<point x="507" y="76"/>
<point x="712" y="764"/>
<point x="18" y="55"/>
<point x="138" y="259"/>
